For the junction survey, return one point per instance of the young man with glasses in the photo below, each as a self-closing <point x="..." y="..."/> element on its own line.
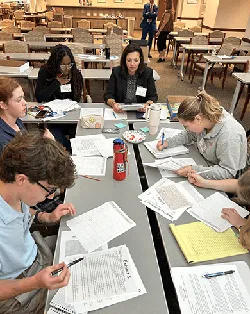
<point x="31" y="168"/>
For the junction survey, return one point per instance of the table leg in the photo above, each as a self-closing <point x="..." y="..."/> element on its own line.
<point x="174" y="54"/>
<point x="235" y="97"/>
<point x="205" y="76"/>
<point x="31" y="89"/>
<point x="182" y="64"/>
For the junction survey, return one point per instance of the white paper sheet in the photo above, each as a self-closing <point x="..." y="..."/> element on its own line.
<point x="91" y="111"/>
<point x="131" y="107"/>
<point x="220" y="295"/>
<point x="168" y="152"/>
<point x="168" y="133"/>
<point x="108" y="115"/>
<point x="85" y="145"/>
<point x="92" y="166"/>
<point x="209" y="211"/>
<point x="170" y="199"/>
<point x="100" y="275"/>
<point x="105" y="147"/>
<point x="58" y="303"/>
<point x="65" y="105"/>
<point x="100" y="225"/>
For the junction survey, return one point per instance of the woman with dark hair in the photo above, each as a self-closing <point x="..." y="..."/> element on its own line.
<point x="131" y="82"/>
<point x="60" y="79"/>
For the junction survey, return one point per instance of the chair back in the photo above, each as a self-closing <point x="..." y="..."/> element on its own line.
<point x="42" y="29"/>
<point x="114" y="42"/>
<point x="76" y="49"/>
<point x="83" y="24"/>
<point x="226" y="49"/>
<point x="27" y="24"/>
<point x="7" y="23"/>
<point x="6" y="36"/>
<point x="199" y="40"/>
<point x="34" y="36"/>
<point x="180" y="24"/>
<point x="232" y="40"/>
<point x="185" y="33"/>
<point x="82" y="35"/>
<point x="49" y="16"/>
<point x="55" y="24"/>
<point x="117" y="30"/>
<point x="11" y="30"/>
<point x="177" y="28"/>
<point x="15" y="46"/>
<point x="216" y="34"/>
<point x="109" y="24"/>
<point x="196" y="29"/>
<point x="109" y="30"/>
<point x="19" y="15"/>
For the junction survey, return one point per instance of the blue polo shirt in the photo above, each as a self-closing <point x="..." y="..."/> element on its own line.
<point x="7" y="133"/>
<point x="18" y="249"/>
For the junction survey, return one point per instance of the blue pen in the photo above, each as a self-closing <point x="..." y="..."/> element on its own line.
<point x="162" y="139"/>
<point x="220" y="273"/>
<point x="114" y="115"/>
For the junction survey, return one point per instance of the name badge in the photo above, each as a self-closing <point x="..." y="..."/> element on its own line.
<point x="141" y="91"/>
<point x="202" y="146"/>
<point x="65" y="88"/>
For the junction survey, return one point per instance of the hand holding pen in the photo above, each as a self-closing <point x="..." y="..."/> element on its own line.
<point x="69" y="265"/>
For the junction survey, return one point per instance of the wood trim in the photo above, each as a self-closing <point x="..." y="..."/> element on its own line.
<point x="224" y="29"/>
<point x="89" y="7"/>
<point x="189" y="18"/>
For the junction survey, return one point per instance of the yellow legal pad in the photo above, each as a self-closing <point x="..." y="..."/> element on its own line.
<point x="199" y="242"/>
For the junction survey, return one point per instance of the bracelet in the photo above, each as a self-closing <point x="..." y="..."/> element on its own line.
<point x="239" y="229"/>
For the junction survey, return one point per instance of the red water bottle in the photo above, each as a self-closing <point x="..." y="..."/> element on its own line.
<point x="120" y="159"/>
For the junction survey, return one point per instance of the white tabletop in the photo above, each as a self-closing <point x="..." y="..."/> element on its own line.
<point x="243" y="77"/>
<point x="200" y="47"/>
<point x="235" y="59"/>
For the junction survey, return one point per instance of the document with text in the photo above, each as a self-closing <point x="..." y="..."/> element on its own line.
<point x="109" y="114"/>
<point x="91" y="111"/>
<point x="85" y="145"/>
<point x="100" y="225"/>
<point x="92" y="166"/>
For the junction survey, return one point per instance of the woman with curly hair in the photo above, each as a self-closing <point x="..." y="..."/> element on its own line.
<point x="60" y="79"/>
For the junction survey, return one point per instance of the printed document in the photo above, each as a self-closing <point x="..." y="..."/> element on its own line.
<point x="101" y="274"/>
<point x="100" y="225"/>
<point x="92" y="166"/>
<point x="109" y="114"/>
<point x="170" y="199"/>
<point x="221" y="295"/>
<point x="209" y="211"/>
<point x="105" y="147"/>
<point x="168" y="133"/>
<point x="62" y="105"/>
<point x="85" y="145"/>
<point x="168" y="152"/>
<point x="91" y="111"/>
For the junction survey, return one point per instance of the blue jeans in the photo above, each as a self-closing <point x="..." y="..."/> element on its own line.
<point x="148" y="29"/>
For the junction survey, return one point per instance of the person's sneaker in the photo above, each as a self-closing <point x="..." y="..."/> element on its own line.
<point x="163" y="60"/>
<point x="149" y="55"/>
<point x="159" y="60"/>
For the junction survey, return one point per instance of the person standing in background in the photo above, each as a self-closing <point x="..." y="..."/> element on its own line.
<point x="165" y="27"/>
<point x="148" y="23"/>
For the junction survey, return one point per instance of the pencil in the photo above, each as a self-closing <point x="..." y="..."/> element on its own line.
<point x="92" y="178"/>
<point x="162" y="139"/>
<point x="114" y="115"/>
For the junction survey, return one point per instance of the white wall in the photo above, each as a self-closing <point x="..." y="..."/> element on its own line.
<point x="247" y="33"/>
<point x="210" y="12"/>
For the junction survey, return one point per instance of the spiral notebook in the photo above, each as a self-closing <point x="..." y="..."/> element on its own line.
<point x="168" y="152"/>
<point x="58" y="304"/>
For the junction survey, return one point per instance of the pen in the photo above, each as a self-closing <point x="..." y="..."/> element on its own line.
<point x="220" y="273"/>
<point x="69" y="265"/>
<point x="162" y="139"/>
<point x="92" y="178"/>
<point x="204" y="171"/>
<point x="114" y="115"/>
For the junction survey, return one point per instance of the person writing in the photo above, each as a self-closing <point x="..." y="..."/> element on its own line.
<point x="165" y="27"/>
<point x="31" y="168"/>
<point x="131" y="82"/>
<point x="219" y="137"/>
<point x="13" y="107"/>
<point x="60" y="79"/>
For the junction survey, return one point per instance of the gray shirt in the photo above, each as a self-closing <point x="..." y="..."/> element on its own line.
<point x="224" y="147"/>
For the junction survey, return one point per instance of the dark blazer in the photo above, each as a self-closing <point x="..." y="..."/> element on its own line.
<point x="149" y="15"/>
<point x="7" y="133"/>
<point x="117" y="86"/>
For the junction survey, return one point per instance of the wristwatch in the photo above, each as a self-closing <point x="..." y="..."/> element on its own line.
<point x="239" y="228"/>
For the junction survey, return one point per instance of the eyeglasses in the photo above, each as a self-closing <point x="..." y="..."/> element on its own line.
<point x="64" y="66"/>
<point x="50" y="191"/>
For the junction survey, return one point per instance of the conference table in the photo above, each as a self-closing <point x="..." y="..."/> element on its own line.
<point x="173" y="252"/>
<point x="87" y="194"/>
<point x="211" y="60"/>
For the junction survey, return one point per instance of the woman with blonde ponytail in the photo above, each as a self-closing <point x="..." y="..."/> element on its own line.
<point x="220" y="139"/>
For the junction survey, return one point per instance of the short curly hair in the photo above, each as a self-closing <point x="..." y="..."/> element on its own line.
<point x="39" y="158"/>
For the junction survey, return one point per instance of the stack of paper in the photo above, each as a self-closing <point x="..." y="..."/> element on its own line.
<point x="170" y="199"/>
<point x="168" y="152"/>
<point x="91" y="166"/>
<point x="100" y="225"/>
<point x="91" y="111"/>
<point x="168" y="133"/>
<point x="94" y="284"/>
<point x="199" y="242"/>
<point x="131" y="107"/>
<point x="63" y="105"/>
<point x="209" y="211"/>
<point x="220" y="295"/>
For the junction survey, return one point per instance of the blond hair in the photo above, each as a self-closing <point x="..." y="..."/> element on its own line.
<point x="203" y="104"/>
